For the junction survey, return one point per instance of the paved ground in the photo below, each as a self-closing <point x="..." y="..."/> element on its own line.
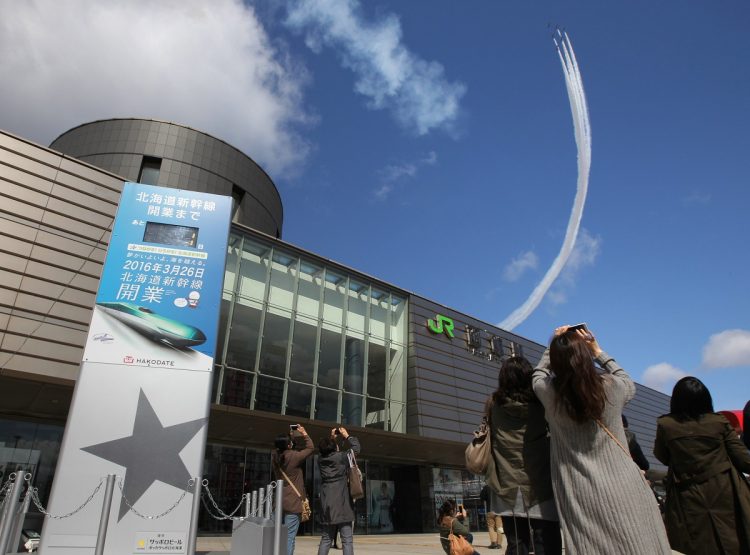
<point x="392" y="544"/>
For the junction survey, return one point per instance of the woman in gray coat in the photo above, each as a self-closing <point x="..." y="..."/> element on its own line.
<point x="604" y="503"/>
<point x="336" y="503"/>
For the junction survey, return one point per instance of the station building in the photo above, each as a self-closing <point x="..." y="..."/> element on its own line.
<point x="303" y="339"/>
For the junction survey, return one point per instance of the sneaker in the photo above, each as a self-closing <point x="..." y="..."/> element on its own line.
<point x="494" y="546"/>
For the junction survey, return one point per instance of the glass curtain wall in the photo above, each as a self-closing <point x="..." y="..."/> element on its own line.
<point x="304" y="339"/>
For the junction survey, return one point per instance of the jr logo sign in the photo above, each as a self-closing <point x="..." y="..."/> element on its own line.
<point x="443" y="325"/>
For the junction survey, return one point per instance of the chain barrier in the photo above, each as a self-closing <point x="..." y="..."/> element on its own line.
<point x="191" y="482"/>
<point x="6" y="489"/>
<point x="222" y="514"/>
<point x="34" y="492"/>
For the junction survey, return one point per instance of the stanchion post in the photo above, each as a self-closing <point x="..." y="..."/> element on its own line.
<point x="193" y="533"/>
<point x="261" y="501"/>
<point x="11" y="504"/>
<point x="248" y="505"/>
<point x="278" y="517"/>
<point x="101" y="535"/>
<point x="255" y="503"/>
<point x="15" y="537"/>
<point x="267" y="514"/>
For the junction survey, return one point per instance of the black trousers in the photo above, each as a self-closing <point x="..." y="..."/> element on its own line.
<point x="544" y="533"/>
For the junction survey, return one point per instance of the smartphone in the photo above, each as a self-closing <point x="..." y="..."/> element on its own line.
<point x="337" y="432"/>
<point x="583" y="328"/>
<point x="293" y="426"/>
<point x="460" y="508"/>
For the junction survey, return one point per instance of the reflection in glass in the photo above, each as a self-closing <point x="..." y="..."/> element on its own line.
<point x="298" y="397"/>
<point x="326" y="405"/>
<point x="308" y="296"/>
<point x="378" y="313"/>
<point x="303" y="350"/>
<point x="354" y="364"/>
<point x="375" y="413"/>
<point x="233" y="254"/>
<point x="275" y="341"/>
<point x="398" y="319"/>
<point x="396" y="370"/>
<point x="356" y="311"/>
<point x="351" y="410"/>
<point x="269" y="394"/>
<point x="281" y="292"/>
<point x="376" y="370"/>
<point x="397" y="417"/>
<point x="333" y="298"/>
<point x="253" y="270"/>
<point x="329" y="364"/>
<point x="243" y="336"/>
<point x="238" y="387"/>
<point x="223" y="318"/>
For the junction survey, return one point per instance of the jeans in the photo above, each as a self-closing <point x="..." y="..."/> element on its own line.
<point x="544" y="536"/>
<point x="328" y="533"/>
<point x="292" y="521"/>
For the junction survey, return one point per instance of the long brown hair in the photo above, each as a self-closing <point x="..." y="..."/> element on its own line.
<point x="579" y="388"/>
<point x="514" y="382"/>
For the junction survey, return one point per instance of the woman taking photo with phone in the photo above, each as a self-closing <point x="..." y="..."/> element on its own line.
<point x="453" y="519"/>
<point x="708" y="500"/>
<point x="336" y="504"/>
<point x="604" y="503"/>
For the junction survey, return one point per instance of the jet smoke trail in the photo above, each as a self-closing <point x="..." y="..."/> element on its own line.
<point x="582" y="129"/>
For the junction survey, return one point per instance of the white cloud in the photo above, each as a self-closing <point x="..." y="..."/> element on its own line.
<point x="208" y="65"/>
<point x="697" y="197"/>
<point x="518" y="266"/>
<point x="387" y="73"/>
<point x="727" y="349"/>
<point x="393" y="174"/>
<point x="584" y="254"/>
<point x="662" y="376"/>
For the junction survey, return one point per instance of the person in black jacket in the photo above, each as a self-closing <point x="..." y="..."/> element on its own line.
<point x="745" y="424"/>
<point x="336" y="504"/>
<point x="635" y="450"/>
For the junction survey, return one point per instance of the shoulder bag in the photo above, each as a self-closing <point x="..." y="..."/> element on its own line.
<point x="306" y="510"/>
<point x="356" y="490"/>
<point x="459" y="545"/>
<point x="479" y="452"/>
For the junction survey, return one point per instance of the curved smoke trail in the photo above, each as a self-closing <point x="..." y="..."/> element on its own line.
<point x="579" y="109"/>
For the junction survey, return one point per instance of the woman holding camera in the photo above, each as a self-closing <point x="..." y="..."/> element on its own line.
<point x="452" y="518"/>
<point x="708" y="500"/>
<point x="604" y="502"/>
<point x="287" y="466"/>
<point x="336" y="504"/>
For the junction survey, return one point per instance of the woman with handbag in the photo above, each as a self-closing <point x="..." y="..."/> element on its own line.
<point x="604" y="502"/>
<point x="454" y="530"/>
<point x="707" y="510"/>
<point x="287" y="466"/>
<point x="337" y="507"/>
<point x="519" y="480"/>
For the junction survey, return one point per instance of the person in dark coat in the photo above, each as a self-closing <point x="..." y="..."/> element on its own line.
<point x="745" y="424"/>
<point x="289" y="461"/>
<point x="708" y="500"/>
<point x="521" y="482"/>
<point x="336" y="504"/>
<point x="635" y="449"/>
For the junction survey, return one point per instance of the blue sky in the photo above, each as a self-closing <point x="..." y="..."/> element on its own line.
<point x="430" y="144"/>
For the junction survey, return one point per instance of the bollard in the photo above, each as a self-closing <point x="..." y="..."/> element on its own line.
<point x="10" y="508"/>
<point x="255" y="503"/>
<point x="248" y="505"/>
<point x="278" y="517"/>
<point x="101" y="535"/>
<point x="15" y="538"/>
<point x="261" y="502"/>
<point x="267" y="514"/>
<point x="193" y="533"/>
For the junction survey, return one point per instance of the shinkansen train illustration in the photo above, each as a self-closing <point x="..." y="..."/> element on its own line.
<point x="154" y="326"/>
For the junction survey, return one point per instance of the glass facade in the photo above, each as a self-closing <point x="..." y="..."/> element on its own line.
<point x="304" y="339"/>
